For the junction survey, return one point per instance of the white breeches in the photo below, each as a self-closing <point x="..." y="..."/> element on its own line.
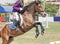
<point x="16" y="16"/>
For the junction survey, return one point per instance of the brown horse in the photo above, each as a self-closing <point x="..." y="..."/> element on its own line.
<point x="29" y="22"/>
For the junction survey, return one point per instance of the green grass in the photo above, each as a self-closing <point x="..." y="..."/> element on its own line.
<point x="51" y="34"/>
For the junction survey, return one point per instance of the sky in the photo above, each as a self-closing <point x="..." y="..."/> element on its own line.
<point x="10" y="1"/>
<point x="7" y="1"/>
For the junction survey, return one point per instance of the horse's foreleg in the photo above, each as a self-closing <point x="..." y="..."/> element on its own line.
<point x="5" y="36"/>
<point x="39" y="23"/>
<point x="42" y="28"/>
<point x="5" y="40"/>
<point x="36" y="26"/>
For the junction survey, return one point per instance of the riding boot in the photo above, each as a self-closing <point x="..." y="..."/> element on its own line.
<point x="15" y="22"/>
<point x="17" y="26"/>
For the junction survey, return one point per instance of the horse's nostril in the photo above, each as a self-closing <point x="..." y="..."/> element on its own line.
<point x="44" y="15"/>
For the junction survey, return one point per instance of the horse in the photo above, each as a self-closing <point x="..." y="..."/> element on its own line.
<point x="28" y="11"/>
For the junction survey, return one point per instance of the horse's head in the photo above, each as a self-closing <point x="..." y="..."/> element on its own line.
<point x="35" y="7"/>
<point x="40" y="9"/>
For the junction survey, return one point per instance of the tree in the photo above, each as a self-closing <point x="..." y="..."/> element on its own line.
<point x="51" y="9"/>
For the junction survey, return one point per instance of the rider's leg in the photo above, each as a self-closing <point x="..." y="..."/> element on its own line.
<point x="16" y="16"/>
<point x="16" y="20"/>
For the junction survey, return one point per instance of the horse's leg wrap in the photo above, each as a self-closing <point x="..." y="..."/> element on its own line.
<point x="42" y="28"/>
<point x="37" y="31"/>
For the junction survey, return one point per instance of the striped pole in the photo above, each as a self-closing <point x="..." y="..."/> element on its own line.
<point x="55" y="42"/>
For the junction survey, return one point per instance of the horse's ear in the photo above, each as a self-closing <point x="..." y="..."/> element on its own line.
<point x="39" y="2"/>
<point x="40" y="5"/>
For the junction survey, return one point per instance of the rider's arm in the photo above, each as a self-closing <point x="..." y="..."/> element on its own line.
<point x="15" y="6"/>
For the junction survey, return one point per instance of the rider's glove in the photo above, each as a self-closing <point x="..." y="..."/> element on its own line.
<point x="21" y="9"/>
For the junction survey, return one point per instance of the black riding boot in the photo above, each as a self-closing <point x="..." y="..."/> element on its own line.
<point x="17" y="24"/>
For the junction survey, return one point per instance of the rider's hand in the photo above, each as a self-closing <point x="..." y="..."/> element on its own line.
<point x="21" y="9"/>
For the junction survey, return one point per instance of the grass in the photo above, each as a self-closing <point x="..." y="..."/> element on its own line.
<point x="51" y="34"/>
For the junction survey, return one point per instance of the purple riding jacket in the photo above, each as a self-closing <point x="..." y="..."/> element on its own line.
<point x="17" y="6"/>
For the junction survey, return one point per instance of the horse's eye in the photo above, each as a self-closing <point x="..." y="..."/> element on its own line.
<point x="39" y="6"/>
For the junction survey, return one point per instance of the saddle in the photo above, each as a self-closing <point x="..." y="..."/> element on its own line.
<point x="16" y="24"/>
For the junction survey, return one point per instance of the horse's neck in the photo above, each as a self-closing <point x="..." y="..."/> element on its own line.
<point x="28" y="21"/>
<point x="28" y="17"/>
<point x="31" y="9"/>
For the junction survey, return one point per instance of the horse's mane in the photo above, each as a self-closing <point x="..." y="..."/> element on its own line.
<point x="25" y="8"/>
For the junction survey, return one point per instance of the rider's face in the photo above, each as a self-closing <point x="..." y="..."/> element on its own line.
<point x="37" y="0"/>
<point x="21" y="0"/>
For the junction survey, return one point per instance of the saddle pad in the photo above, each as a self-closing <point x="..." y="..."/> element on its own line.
<point x="12" y="26"/>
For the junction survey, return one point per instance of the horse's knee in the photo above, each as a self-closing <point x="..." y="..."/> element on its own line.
<point x="5" y="41"/>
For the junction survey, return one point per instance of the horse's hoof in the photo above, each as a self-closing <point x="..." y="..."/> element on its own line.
<point x="36" y="36"/>
<point x="42" y="33"/>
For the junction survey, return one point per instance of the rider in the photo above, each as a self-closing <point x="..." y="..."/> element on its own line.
<point x="17" y="7"/>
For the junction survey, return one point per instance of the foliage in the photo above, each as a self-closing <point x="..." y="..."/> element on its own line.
<point x="51" y="9"/>
<point x="10" y="4"/>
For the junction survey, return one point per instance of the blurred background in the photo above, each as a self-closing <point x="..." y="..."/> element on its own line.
<point x="51" y="22"/>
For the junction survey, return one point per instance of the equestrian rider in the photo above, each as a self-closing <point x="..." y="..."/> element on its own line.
<point x="17" y="7"/>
